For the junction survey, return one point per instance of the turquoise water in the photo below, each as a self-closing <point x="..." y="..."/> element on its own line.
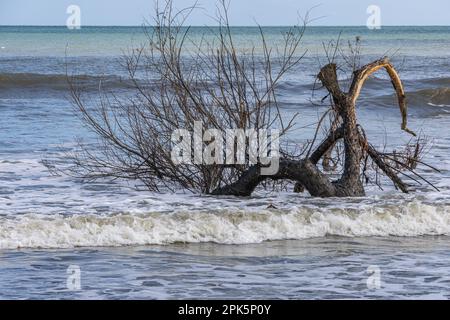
<point x="130" y="243"/>
<point x="97" y="50"/>
<point x="112" y="41"/>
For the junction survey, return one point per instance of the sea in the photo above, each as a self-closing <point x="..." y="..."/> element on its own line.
<point x="63" y="238"/>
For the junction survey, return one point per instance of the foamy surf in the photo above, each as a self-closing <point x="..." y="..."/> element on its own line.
<point x="226" y="227"/>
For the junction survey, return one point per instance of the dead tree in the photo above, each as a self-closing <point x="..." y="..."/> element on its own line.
<point x="214" y="83"/>
<point x="306" y="172"/>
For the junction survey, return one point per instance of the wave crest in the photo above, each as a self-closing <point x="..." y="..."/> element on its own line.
<point x="434" y="97"/>
<point x="227" y="227"/>
<point x="59" y="81"/>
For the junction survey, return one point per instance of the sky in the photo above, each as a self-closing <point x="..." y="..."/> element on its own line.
<point x="242" y="12"/>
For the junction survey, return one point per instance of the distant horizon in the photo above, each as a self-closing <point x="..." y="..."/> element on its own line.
<point x="233" y="26"/>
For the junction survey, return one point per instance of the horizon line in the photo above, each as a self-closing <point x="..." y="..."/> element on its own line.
<point x="233" y="26"/>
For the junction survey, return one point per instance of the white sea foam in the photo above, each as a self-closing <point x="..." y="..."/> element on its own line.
<point x="438" y="105"/>
<point x="228" y="227"/>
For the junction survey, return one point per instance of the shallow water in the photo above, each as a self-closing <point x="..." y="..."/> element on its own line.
<point x="128" y="242"/>
<point x="325" y="268"/>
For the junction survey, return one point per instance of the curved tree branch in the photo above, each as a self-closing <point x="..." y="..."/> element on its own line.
<point x="375" y="156"/>
<point x="303" y="171"/>
<point x="326" y="144"/>
<point x="361" y="75"/>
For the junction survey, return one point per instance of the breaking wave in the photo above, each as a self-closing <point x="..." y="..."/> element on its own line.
<point x="59" y="81"/>
<point x="433" y="91"/>
<point x="439" y="97"/>
<point x="225" y="227"/>
<point x="431" y="100"/>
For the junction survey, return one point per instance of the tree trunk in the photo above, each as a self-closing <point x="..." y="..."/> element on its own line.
<point x="305" y="172"/>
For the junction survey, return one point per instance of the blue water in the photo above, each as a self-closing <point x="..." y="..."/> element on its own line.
<point x="130" y="243"/>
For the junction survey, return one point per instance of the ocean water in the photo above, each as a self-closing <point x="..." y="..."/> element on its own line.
<point x="130" y="243"/>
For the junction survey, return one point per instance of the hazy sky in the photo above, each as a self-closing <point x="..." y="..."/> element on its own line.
<point x="242" y="12"/>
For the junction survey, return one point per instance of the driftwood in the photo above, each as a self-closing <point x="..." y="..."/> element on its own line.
<point x="306" y="172"/>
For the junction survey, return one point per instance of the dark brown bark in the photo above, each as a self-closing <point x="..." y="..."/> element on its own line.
<point x="304" y="171"/>
<point x="326" y="145"/>
<point x="386" y="169"/>
<point x="350" y="183"/>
